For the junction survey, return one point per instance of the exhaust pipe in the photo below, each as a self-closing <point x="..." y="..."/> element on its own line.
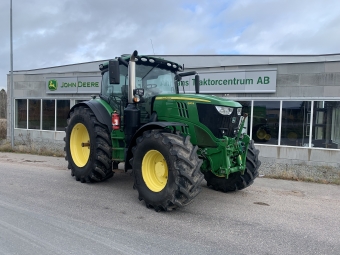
<point x="132" y="76"/>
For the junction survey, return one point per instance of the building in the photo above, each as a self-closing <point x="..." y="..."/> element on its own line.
<point x="293" y="102"/>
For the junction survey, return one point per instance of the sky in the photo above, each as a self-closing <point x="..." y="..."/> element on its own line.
<point x="51" y="33"/>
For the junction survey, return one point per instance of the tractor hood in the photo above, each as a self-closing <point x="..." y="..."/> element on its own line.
<point x="199" y="98"/>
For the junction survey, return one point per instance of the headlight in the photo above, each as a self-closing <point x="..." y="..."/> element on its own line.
<point x="239" y="111"/>
<point x="224" y="110"/>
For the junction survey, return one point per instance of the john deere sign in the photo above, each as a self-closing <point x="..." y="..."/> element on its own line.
<point x="244" y="81"/>
<point x="73" y="85"/>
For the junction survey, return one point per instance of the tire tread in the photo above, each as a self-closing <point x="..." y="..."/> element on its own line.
<point x="186" y="163"/>
<point x="101" y="164"/>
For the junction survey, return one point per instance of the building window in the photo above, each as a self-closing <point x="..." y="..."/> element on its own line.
<point x="34" y="113"/>
<point x="48" y="110"/>
<point x="326" y="121"/>
<point x="21" y="113"/>
<point x="45" y="114"/>
<point x="266" y="115"/>
<point x="295" y="123"/>
<point x="63" y="107"/>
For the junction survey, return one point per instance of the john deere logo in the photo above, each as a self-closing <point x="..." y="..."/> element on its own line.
<point x="52" y="85"/>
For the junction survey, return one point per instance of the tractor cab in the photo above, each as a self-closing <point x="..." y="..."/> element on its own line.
<point x="153" y="76"/>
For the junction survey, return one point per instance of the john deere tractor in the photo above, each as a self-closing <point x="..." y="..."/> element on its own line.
<point x="169" y="139"/>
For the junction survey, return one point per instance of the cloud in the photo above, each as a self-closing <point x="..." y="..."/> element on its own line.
<point x="47" y="33"/>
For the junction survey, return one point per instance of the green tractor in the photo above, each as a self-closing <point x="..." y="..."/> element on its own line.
<point x="170" y="140"/>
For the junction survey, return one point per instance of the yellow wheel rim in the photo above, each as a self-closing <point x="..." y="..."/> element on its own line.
<point x="292" y="136"/>
<point x="80" y="145"/>
<point x="267" y="137"/>
<point x="155" y="170"/>
<point x="261" y="133"/>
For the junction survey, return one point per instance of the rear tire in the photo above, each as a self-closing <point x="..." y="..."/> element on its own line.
<point x="88" y="146"/>
<point x="166" y="170"/>
<point x="237" y="181"/>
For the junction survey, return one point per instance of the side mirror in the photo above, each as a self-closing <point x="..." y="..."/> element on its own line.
<point x="114" y="75"/>
<point x="197" y="79"/>
<point x="138" y="92"/>
<point x="177" y="82"/>
<point x="197" y="84"/>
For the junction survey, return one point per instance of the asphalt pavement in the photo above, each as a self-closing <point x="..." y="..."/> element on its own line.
<point x="43" y="210"/>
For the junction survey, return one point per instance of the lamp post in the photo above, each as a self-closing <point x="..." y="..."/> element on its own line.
<point x="11" y="81"/>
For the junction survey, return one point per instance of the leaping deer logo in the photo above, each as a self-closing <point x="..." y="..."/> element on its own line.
<point x="52" y="85"/>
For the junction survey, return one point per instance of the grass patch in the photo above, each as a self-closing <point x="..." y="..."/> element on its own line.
<point x="7" y="147"/>
<point x="288" y="177"/>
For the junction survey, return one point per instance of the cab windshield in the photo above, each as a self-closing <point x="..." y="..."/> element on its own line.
<point x="152" y="79"/>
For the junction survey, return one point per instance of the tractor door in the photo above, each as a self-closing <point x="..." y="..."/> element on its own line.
<point x="116" y="94"/>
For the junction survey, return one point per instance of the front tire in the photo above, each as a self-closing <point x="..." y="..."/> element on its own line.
<point x="237" y="181"/>
<point x="88" y="146"/>
<point x="166" y="170"/>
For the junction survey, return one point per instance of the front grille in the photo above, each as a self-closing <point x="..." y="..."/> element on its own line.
<point x="220" y="125"/>
<point x="183" y="110"/>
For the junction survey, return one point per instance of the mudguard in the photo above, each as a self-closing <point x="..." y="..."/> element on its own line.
<point x="101" y="113"/>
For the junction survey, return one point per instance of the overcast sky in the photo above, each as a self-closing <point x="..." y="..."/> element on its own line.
<point x="50" y="33"/>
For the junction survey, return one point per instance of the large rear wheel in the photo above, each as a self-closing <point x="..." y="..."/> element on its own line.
<point x="166" y="170"/>
<point x="237" y="181"/>
<point x="88" y="146"/>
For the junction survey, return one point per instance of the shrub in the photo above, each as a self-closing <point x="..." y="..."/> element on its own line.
<point x="3" y="129"/>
